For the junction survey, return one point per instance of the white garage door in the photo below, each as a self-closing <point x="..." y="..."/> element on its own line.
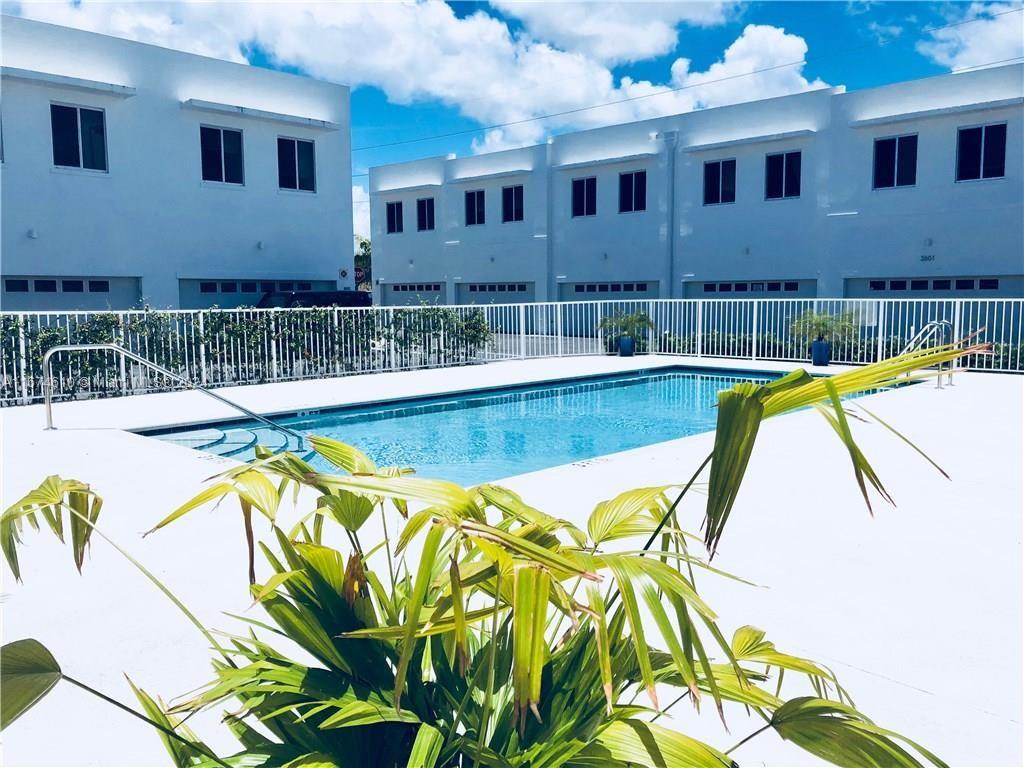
<point x="495" y="293"/>
<point x="413" y="294"/>
<point x="608" y="291"/>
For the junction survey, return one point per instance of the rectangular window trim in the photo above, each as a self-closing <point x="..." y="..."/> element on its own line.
<point x="297" y="188"/>
<point x="981" y="160"/>
<point x="223" y="169"/>
<point x="515" y="191"/>
<point x="896" y="162"/>
<point x="635" y="181"/>
<point x="589" y="201"/>
<point x="798" y="153"/>
<point x="78" y="135"/>
<point x="425" y="214"/>
<point x="475" y="203"/>
<point x="721" y="179"/>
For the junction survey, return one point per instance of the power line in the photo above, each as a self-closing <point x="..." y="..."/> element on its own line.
<point x="805" y="60"/>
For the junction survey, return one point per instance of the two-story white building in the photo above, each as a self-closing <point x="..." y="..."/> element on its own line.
<point x="135" y="174"/>
<point x="913" y="190"/>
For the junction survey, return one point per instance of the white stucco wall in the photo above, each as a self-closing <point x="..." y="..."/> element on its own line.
<point x="151" y="216"/>
<point x="838" y="234"/>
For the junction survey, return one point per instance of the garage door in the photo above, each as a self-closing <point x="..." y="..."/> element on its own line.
<point x="610" y="291"/>
<point x="413" y="294"/>
<point x="495" y="293"/>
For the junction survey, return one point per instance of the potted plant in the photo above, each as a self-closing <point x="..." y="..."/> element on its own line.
<point x="819" y="330"/>
<point x="624" y="329"/>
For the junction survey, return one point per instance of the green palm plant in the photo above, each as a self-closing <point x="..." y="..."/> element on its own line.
<point x="512" y="637"/>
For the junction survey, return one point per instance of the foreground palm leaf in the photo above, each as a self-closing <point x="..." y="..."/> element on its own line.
<point x="514" y="640"/>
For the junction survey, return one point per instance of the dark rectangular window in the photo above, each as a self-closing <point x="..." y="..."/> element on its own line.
<point x="641" y="286"/>
<point x="394" y="215"/>
<point x="207" y="287"/>
<point x="266" y="287"/>
<point x="710" y="287"/>
<point x="757" y="286"/>
<point x="988" y="284"/>
<point x="876" y="285"/>
<point x="72" y="286"/>
<point x="16" y="286"/>
<point x="99" y="286"/>
<point x="720" y="182"/>
<point x="725" y="287"/>
<point x="425" y="214"/>
<point x="940" y="285"/>
<point x="221" y="153"/>
<point x="296" y="166"/>
<point x="895" y="162"/>
<point x="791" y="286"/>
<point x="512" y="203"/>
<point x="897" y="285"/>
<point x="774" y="286"/>
<point x="286" y="286"/>
<point x="475" y="207"/>
<point x="965" y="285"/>
<point x="740" y="287"/>
<point x="44" y="286"/>
<point x="632" y="191"/>
<point x="248" y="287"/>
<point x="304" y="287"/>
<point x="919" y="285"/>
<point x="782" y="175"/>
<point x="79" y="137"/>
<point x="981" y="152"/>
<point x="229" y="287"/>
<point x="584" y="196"/>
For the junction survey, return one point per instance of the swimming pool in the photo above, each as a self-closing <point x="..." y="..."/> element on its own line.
<point x="486" y="435"/>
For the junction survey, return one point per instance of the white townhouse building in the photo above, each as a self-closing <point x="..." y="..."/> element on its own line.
<point x="912" y="190"/>
<point x="136" y="174"/>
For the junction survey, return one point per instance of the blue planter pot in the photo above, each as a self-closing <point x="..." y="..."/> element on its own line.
<point x="821" y="352"/>
<point x="627" y="346"/>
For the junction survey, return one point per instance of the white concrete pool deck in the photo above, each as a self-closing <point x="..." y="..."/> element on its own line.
<point x="918" y="610"/>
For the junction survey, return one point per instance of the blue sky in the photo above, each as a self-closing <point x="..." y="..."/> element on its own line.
<point x="420" y="68"/>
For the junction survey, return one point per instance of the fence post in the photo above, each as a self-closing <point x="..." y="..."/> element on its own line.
<point x="558" y="329"/>
<point x="123" y="366"/>
<point x="23" y="360"/>
<point x="753" y="335"/>
<point x="880" y="346"/>
<point x="700" y="328"/>
<point x="273" y="344"/>
<point x="522" y="331"/>
<point x="202" y="349"/>
<point x="650" y="331"/>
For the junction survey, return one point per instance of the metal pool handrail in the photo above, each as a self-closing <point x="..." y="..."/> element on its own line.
<point x="126" y="353"/>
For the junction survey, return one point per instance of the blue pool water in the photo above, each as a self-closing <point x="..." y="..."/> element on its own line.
<point x="487" y="435"/>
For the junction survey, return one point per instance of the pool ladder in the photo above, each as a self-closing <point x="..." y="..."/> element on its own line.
<point x="129" y="355"/>
<point x="925" y="335"/>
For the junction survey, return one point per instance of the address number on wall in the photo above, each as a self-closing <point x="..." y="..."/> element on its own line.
<point x="927" y="257"/>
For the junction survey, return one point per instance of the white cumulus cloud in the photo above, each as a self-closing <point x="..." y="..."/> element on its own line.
<point x="995" y="34"/>
<point x="615" y="32"/>
<point x="360" y="211"/>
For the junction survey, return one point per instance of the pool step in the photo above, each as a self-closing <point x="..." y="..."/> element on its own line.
<point x="235" y="441"/>
<point x="200" y="440"/>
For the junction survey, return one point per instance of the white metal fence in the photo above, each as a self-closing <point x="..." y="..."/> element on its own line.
<point x="239" y="346"/>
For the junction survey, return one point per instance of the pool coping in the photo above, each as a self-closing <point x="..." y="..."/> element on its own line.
<point x="413" y="400"/>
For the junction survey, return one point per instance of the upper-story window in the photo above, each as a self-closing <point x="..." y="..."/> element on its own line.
<point x="394" y="216"/>
<point x="425" y="214"/>
<point x="512" y="203"/>
<point x="632" y="191"/>
<point x="895" y="162"/>
<point x="719" y="182"/>
<point x="584" y="196"/>
<point x="296" y="164"/>
<point x="981" y="152"/>
<point x="782" y="176"/>
<point x="221" y="150"/>
<point x="79" y="137"/>
<point x="474" y="207"/>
